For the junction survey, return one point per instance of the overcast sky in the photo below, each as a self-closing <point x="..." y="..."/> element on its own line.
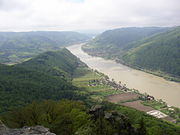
<point x="27" y="15"/>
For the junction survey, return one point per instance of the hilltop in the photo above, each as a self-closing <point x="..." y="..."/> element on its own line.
<point x="152" y="49"/>
<point x="46" y="76"/>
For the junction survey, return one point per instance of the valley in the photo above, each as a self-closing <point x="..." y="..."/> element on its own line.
<point x="72" y="83"/>
<point x="97" y="87"/>
<point x="156" y="86"/>
<point x="151" y="49"/>
<point x="89" y="67"/>
<point x="67" y="96"/>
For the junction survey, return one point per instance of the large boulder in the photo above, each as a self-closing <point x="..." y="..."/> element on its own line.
<point x="37" y="130"/>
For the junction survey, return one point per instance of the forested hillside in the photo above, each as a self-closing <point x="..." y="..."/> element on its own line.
<point x="30" y="94"/>
<point x="157" y="53"/>
<point x="68" y="117"/>
<point x="47" y="76"/>
<point x="153" y="49"/>
<point x="121" y="37"/>
<point x="61" y="63"/>
<point x="16" y="47"/>
<point x="71" y="117"/>
<point x="112" y="43"/>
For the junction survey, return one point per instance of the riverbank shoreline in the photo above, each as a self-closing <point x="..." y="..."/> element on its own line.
<point x="164" y="75"/>
<point x="160" y="88"/>
<point x="99" y="87"/>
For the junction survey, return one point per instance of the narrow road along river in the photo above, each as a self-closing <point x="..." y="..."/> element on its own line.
<point x="144" y="82"/>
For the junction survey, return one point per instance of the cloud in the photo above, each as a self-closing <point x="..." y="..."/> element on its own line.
<point x="24" y="15"/>
<point x="13" y="5"/>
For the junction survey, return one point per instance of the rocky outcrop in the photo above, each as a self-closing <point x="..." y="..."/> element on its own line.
<point x="118" y="121"/>
<point x="37" y="130"/>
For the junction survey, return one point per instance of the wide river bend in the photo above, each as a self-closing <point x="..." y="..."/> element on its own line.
<point x="156" y="86"/>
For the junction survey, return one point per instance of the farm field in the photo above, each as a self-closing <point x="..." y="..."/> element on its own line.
<point x="89" y="82"/>
<point x="124" y="97"/>
<point x="92" y="86"/>
<point x="138" y="105"/>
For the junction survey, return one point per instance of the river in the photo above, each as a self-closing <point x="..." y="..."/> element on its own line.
<point x="156" y="86"/>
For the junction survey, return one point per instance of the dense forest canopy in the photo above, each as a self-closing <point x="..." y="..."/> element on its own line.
<point x="46" y="76"/>
<point x="59" y="63"/>
<point x="160" y="52"/>
<point x="69" y="117"/>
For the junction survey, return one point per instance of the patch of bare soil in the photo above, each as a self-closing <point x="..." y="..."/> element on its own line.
<point x="138" y="105"/>
<point x="122" y="97"/>
<point x="133" y="104"/>
<point x="168" y="118"/>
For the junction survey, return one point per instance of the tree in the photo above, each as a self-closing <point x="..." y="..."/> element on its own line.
<point x="142" y="128"/>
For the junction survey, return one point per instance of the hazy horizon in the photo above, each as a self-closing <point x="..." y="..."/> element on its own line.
<point x="86" y="15"/>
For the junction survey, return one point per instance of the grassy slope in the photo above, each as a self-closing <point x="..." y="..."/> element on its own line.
<point x="95" y="93"/>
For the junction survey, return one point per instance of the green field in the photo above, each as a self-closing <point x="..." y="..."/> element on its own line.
<point x="97" y="92"/>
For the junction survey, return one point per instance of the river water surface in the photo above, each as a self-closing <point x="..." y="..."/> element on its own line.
<point x="156" y="86"/>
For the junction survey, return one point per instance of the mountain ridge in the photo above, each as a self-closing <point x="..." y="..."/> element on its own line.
<point x="16" y="47"/>
<point x="41" y="78"/>
<point x="125" y="53"/>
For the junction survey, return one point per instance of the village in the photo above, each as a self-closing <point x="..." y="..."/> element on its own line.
<point x="134" y="99"/>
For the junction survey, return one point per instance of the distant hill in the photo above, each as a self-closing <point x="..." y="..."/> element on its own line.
<point x="47" y="76"/>
<point x="121" y="37"/>
<point x="152" y="48"/>
<point x="112" y="43"/>
<point x="17" y="47"/>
